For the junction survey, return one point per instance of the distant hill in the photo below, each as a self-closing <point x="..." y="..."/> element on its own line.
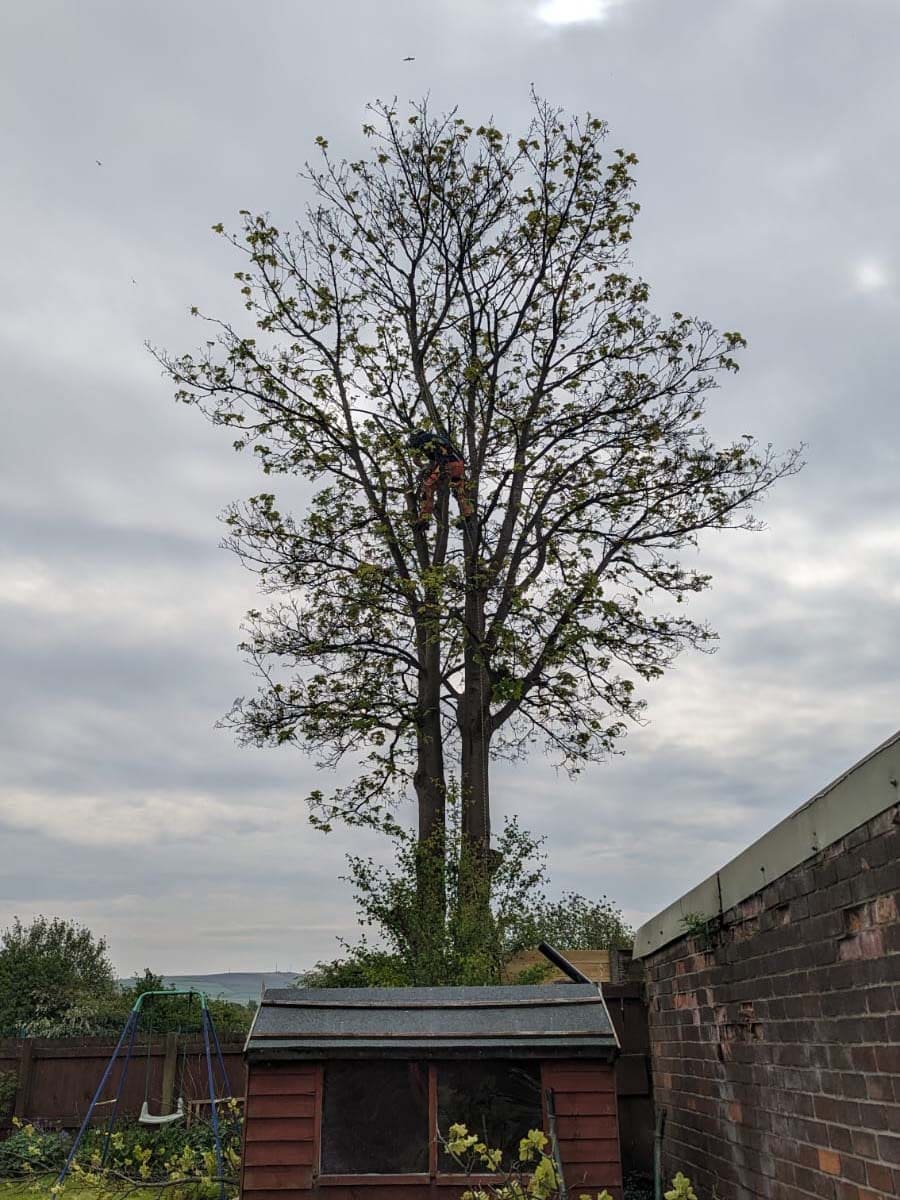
<point x="238" y="987"/>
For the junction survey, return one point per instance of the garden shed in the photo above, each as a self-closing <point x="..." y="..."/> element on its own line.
<point x="347" y="1088"/>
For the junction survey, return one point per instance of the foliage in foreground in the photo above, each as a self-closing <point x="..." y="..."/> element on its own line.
<point x="182" y="1159"/>
<point x="180" y="1163"/>
<point x="390" y="903"/>
<point x="534" y="1175"/>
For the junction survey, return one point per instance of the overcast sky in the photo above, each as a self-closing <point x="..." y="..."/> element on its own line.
<point x="767" y="132"/>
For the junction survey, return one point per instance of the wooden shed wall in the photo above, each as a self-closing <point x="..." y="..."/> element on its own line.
<point x="280" y="1130"/>
<point x="587" y="1124"/>
<point x="282" y="1135"/>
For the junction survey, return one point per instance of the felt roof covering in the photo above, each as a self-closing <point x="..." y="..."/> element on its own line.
<point x="542" y="1021"/>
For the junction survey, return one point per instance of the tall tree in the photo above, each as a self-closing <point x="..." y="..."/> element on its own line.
<point x="476" y="285"/>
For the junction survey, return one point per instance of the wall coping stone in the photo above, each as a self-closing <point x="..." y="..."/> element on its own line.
<point x="862" y="792"/>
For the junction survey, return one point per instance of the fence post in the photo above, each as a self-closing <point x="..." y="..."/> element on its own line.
<point x="170" y="1062"/>
<point x="26" y="1058"/>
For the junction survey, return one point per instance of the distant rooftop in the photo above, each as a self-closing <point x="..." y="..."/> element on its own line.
<point x="525" y="1022"/>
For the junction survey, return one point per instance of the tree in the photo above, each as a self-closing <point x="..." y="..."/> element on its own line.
<point x="478" y="286"/>
<point x="411" y="947"/>
<point x="50" y="968"/>
<point x="571" y="923"/>
<point x="522" y="916"/>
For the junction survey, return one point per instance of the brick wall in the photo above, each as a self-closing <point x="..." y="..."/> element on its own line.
<point x="775" y="1035"/>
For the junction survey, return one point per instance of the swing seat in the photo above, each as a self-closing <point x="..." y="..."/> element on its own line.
<point x="149" y="1118"/>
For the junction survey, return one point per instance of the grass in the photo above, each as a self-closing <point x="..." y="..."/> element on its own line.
<point x="32" y="1189"/>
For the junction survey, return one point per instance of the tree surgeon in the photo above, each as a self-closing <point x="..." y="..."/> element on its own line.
<point x="442" y="463"/>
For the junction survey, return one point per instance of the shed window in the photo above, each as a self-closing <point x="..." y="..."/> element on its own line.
<point x="375" y="1118"/>
<point x="498" y="1100"/>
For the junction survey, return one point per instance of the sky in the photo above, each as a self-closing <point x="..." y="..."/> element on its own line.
<point x="768" y="134"/>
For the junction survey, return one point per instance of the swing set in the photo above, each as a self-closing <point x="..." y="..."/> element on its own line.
<point x="211" y="1048"/>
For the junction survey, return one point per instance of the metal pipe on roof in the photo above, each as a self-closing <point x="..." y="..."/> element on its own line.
<point x="563" y="963"/>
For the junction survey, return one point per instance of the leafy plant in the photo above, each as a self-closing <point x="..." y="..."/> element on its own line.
<point x="173" y="1157"/>
<point x="9" y="1084"/>
<point x="411" y="952"/>
<point x="703" y="928"/>
<point x="681" y="1189"/>
<point x="30" y="1150"/>
<point x="532" y="1176"/>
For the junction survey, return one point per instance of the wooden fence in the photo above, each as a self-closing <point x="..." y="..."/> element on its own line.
<point x="56" y="1077"/>
<point x="634" y="1086"/>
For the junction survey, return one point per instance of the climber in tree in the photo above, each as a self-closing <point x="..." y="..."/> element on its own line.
<point x="442" y="461"/>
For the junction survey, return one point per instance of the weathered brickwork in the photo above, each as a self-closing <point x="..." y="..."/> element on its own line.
<point x="775" y="1037"/>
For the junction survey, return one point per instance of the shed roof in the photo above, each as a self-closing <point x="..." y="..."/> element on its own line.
<point x="542" y="1021"/>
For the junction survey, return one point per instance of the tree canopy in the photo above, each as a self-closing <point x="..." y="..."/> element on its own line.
<point x="461" y="280"/>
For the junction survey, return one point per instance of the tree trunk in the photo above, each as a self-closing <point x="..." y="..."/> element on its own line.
<point x="430" y="786"/>
<point x="474" y="721"/>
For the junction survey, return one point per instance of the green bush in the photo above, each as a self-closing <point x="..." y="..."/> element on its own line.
<point x="56" y="980"/>
<point x="155" y="1154"/>
<point x="137" y="1153"/>
<point x="30" y="1150"/>
<point x="9" y="1082"/>
<point x="407" y="953"/>
<point x="47" y="969"/>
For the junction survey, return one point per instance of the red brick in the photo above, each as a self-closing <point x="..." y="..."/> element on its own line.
<point x="880" y="1177"/>
<point x="853" y="1169"/>
<point x="864" y="1143"/>
<point x="881" y="1000"/>
<point x="839" y="1138"/>
<point x="829" y="1162"/>
<point x="889" y="1148"/>
<point x="888" y="1059"/>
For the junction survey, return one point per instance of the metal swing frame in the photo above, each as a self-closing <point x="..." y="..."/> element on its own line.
<point x="127" y="1036"/>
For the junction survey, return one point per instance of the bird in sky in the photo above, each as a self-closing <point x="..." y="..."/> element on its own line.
<point x="409" y="58"/>
<point x="98" y="162"/>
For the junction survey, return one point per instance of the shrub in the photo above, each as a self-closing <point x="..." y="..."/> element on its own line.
<point x="137" y="1154"/>
<point x="49" y="967"/>
<point x="533" y="1175"/>
<point x="31" y="1150"/>
<point x="9" y="1083"/>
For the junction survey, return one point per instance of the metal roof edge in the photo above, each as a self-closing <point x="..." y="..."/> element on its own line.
<point x="857" y="795"/>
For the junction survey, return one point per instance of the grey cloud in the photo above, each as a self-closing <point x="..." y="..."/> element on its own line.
<point x="767" y="180"/>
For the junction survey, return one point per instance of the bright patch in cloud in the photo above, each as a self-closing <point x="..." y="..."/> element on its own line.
<point x="871" y="276"/>
<point x="574" y="12"/>
<point x="144" y="819"/>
